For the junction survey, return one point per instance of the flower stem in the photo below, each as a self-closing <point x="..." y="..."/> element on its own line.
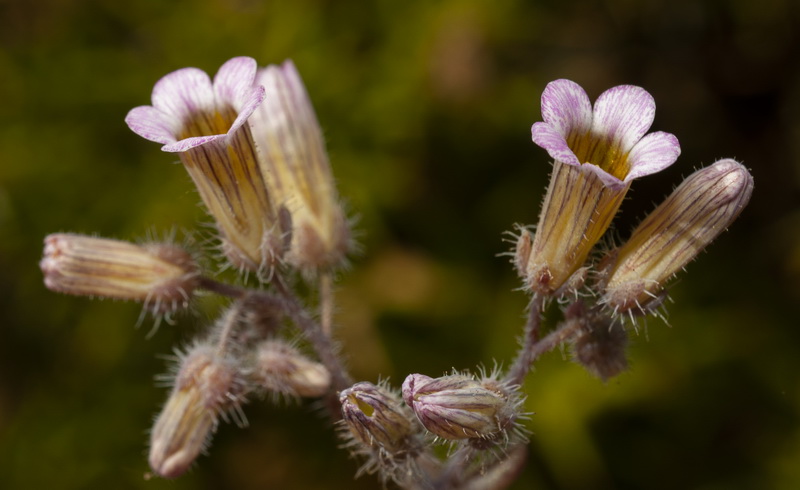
<point x="320" y="342"/>
<point x="532" y="347"/>
<point x="326" y="302"/>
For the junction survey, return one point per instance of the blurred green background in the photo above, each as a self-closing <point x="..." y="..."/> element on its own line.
<point x="426" y="108"/>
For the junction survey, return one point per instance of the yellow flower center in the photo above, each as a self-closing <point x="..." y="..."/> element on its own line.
<point x="208" y="123"/>
<point x="598" y="150"/>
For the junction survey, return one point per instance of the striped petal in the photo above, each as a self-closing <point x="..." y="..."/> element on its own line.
<point x="653" y="153"/>
<point x="552" y="140"/>
<point x="152" y="124"/>
<point x="624" y="114"/>
<point x="566" y="107"/>
<point x="183" y="92"/>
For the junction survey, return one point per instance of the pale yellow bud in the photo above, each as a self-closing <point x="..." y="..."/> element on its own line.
<point x="297" y="171"/>
<point x="163" y="276"/>
<point x="701" y="208"/>
<point x="281" y="368"/>
<point x="205" y="387"/>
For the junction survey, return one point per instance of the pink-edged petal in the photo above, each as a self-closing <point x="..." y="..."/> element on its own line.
<point x="183" y="92"/>
<point x="234" y="80"/>
<point x="607" y="179"/>
<point x="250" y="102"/>
<point x="624" y="114"/>
<point x="566" y="107"/>
<point x="552" y="140"/>
<point x="653" y="153"/>
<point x="152" y="124"/>
<point x="189" y="143"/>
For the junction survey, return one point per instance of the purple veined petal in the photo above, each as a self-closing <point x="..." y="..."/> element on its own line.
<point x="549" y="138"/>
<point x="653" y="153"/>
<point x="234" y="79"/>
<point x="183" y="92"/>
<point x="189" y="143"/>
<point x="607" y="179"/>
<point x="624" y="113"/>
<point x="250" y="102"/>
<point x="566" y="107"/>
<point x="152" y="124"/>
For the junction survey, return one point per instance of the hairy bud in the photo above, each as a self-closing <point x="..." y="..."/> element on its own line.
<point x="281" y="368"/>
<point x="376" y="417"/>
<point x="298" y="174"/>
<point x="206" y="386"/>
<point x="162" y="276"/>
<point x="460" y="407"/>
<point x="701" y="208"/>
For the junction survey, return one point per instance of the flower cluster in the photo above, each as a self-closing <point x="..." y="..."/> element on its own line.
<point x="251" y="144"/>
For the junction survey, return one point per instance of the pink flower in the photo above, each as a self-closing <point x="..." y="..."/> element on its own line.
<point x="608" y="139"/>
<point x="205" y="124"/>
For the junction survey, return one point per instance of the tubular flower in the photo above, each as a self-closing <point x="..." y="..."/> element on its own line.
<point x="163" y="276"/>
<point x="297" y="171"/>
<point x="696" y="212"/>
<point x="598" y="151"/>
<point x="205" y="123"/>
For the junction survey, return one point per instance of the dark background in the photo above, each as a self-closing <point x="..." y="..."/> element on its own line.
<point x="426" y="108"/>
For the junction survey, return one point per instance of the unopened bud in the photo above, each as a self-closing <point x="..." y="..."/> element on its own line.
<point x="205" y="387"/>
<point x="297" y="171"/>
<point x="600" y="349"/>
<point x="457" y="406"/>
<point x="701" y="208"/>
<point x="281" y="368"/>
<point x="376" y="417"/>
<point x="163" y="276"/>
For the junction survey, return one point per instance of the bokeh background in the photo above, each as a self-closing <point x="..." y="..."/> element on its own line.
<point x="426" y="108"/>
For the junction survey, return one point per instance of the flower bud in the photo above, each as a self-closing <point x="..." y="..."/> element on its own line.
<point x="162" y="276"/>
<point x="376" y="418"/>
<point x="458" y="407"/>
<point x="297" y="172"/>
<point x="281" y="368"/>
<point x="205" y="387"/>
<point x="699" y="209"/>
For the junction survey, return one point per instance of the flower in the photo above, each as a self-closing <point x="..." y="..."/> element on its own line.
<point x="696" y="212"/>
<point x="598" y="152"/>
<point x="205" y="124"/>
<point x="162" y="276"/>
<point x="297" y="171"/>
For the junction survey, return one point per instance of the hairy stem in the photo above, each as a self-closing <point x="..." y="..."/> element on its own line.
<point x="326" y="302"/>
<point x="320" y="342"/>
<point x="533" y="347"/>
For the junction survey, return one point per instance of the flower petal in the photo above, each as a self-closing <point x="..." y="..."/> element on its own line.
<point x="234" y="80"/>
<point x="250" y="102"/>
<point x="189" y="143"/>
<point x="607" y="179"/>
<point x="653" y="153"/>
<point x="183" y="92"/>
<point x="552" y="140"/>
<point x="152" y="124"/>
<point x="566" y="107"/>
<point x="624" y="114"/>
